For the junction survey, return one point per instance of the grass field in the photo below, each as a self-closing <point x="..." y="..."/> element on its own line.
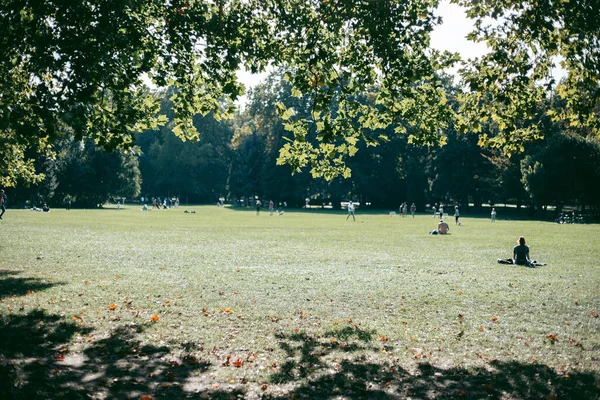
<point x="222" y="303"/>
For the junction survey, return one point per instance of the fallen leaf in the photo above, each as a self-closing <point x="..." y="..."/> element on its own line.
<point x="154" y="318"/>
<point x="494" y="319"/>
<point x="237" y="363"/>
<point x="552" y="338"/>
<point x="192" y="360"/>
<point x="226" y="362"/>
<point x="112" y="307"/>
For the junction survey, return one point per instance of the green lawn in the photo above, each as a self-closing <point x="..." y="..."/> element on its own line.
<point x="222" y="303"/>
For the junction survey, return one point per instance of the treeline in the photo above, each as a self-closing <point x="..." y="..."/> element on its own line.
<point x="237" y="158"/>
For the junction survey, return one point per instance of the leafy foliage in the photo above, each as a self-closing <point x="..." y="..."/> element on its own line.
<point x="79" y="69"/>
<point x="507" y="87"/>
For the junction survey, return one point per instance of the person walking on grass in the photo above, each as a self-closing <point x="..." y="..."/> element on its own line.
<point x="493" y="215"/>
<point x="413" y="208"/>
<point x="258" y="205"/>
<point x="271" y="207"/>
<point x="456" y="215"/>
<point x="2" y="203"/>
<point x="350" y="211"/>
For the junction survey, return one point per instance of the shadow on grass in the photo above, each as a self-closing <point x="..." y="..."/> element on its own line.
<point x="11" y="286"/>
<point x="36" y="363"/>
<point x="360" y="377"/>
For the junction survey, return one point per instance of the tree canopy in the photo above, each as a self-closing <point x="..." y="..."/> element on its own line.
<point x="79" y="68"/>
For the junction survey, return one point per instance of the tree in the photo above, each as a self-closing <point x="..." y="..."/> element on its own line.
<point x="80" y="65"/>
<point x="78" y="68"/>
<point x="508" y="86"/>
<point x="92" y="175"/>
<point x="564" y="171"/>
<point x="196" y="171"/>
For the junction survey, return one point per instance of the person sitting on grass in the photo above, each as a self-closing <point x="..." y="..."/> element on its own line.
<point x="442" y="229"/>
<point x="520" y="255"/>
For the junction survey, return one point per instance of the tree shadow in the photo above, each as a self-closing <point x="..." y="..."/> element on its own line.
<point x="361" y="378"/>
<point x="35" y="362"/>
<point x="11" y="286"/>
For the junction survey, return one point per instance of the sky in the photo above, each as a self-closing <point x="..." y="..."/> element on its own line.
<point x="450" y="35"/>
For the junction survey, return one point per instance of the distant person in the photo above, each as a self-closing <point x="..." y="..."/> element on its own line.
<point x="434" y="208"/>
<point x="2" y="203"/>
<point x="456" y="215"/>
<point x="68" y="202"/>
<point x="271" y="207"/>
<point x="118" y="205"/>
<point x="413" y="208"/>
<point x="145" y="208"/>
<point x="493" y="215"/>
<point x="176" y="202"/>
<point x="258" y="205"/>
<point x="441" y="211"/>
<point x="442" y="229"/>
<point x="404" y="209"/>
<point x="45" y="208"/>
<point x="350" y="211"/>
